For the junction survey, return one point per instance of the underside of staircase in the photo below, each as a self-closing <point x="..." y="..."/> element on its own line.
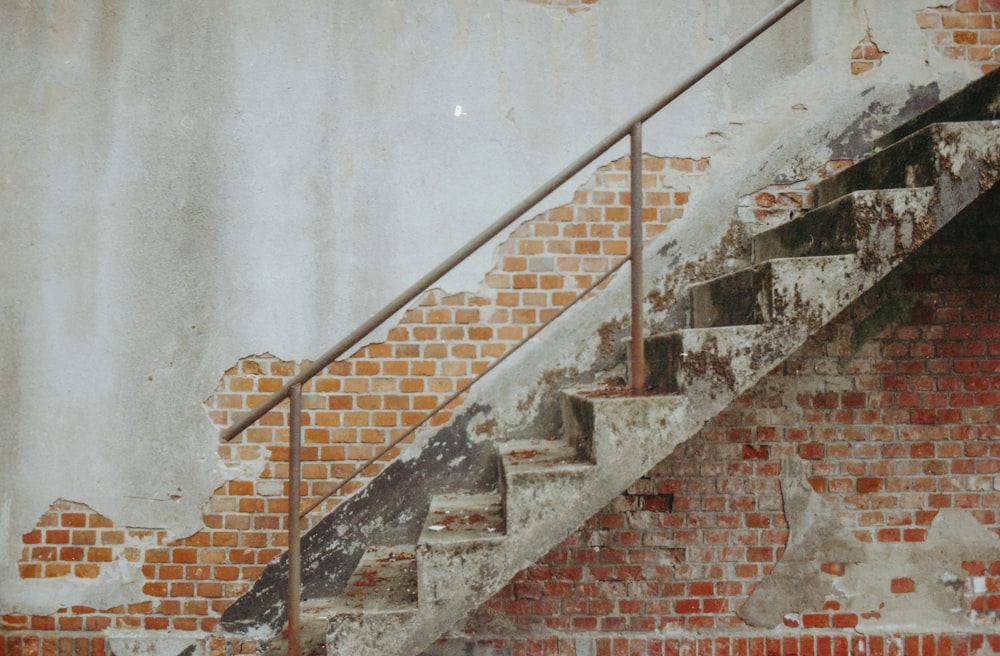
<point x="863" y="223"/>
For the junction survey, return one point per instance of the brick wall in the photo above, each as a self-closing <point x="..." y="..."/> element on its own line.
<point x="967" y="30"/>
<point x="894" y="409"/>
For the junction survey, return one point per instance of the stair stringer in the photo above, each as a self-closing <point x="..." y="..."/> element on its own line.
<point x="714" y="365"/>
<point x="629" y="436"/>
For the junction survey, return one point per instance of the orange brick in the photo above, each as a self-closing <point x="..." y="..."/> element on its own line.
<point x="240" y="487"/>
<point x="466" y="316"/>
<point x="563" y="213"/>
<point x="558" y="247"/>
<point x="71" y="554"/>
<point x="510" y="333"/>
<point x="615" y="247"/>
<point x="368" y="402"/>
<point x="384" y="418"/>
<point x="966" y="37"/>
<point x="509" y="299"/>
<point x="73" y="520"/>
<point x="99" y="555"/>
<point x="56" y="570"/>
<point x="366" y="368"/>
<point x="356" y="419"/>
<point x="525" y="281"/>
<point x="515" y="264"/>
<point x="525" y="315"/>
<point x="482" y="332"/>
<point x="410" y="385"/>
<point x="29" y="570"/>
<point x="423" y="368"/>
<point x="439" y="315"/>
<point x="902" y="585"/>
<point x="435" y="350"/>
<point x="56" y="536"/>
<point x="184" y="555"/>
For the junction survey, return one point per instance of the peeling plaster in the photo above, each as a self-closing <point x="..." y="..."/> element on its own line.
<point x="862" y="581"/>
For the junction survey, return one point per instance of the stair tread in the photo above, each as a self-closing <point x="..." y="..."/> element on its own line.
<point x="527" y="455"/>
<point x="463" y="517"/>
<point x="385" y="580"/>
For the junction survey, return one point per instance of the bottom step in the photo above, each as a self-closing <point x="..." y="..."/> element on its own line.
<point x="380" y="596"/>
<point x="385" y="580"/>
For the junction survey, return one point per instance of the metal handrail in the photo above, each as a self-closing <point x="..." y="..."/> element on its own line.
<point x="519" y="210"/>
<point x="293" y="388"/>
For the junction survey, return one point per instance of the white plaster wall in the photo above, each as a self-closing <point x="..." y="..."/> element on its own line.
<point x="186" y="183"/>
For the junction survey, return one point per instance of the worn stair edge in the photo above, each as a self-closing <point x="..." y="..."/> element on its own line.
<point x="527" y="457"/>
<point x="456" y="518"/>
<point x="958" y="158"/>
<point x="859" y="223"/>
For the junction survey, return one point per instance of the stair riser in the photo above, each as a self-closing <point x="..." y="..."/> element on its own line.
<point x="578" y="425"/>
<point x="369" y="633"/>
<point x="460" y="574"/>
<point x="961" y="159"/>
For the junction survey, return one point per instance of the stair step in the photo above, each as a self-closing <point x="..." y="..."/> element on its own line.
<point x="527" y="456"/>
<point x="876" y="223"/>
<point x="464" y="517"/>
<point x="385" y="580"/>
<point x="923" y="159"/>
<point x="779" y="291"/>
<point x="978" y="101"/>
<point x="714" y="360"/>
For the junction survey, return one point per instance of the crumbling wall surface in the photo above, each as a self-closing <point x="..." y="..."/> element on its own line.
<point x="186" y="184"/>
<point x="848" y="503"/>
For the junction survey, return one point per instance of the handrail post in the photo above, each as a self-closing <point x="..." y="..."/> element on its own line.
<point x="637" y="368"/>
<point x="294" y="528"/>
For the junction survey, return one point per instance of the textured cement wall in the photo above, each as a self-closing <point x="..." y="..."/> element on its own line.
<point x="183" y="184"/>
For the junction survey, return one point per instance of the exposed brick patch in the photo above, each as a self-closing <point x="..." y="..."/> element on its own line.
<point x="866" y="55"/>
<point x="71" y="540"/>
<point x="967" y="30"/>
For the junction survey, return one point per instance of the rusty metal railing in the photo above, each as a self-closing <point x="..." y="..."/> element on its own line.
<point x="293" y="388"/>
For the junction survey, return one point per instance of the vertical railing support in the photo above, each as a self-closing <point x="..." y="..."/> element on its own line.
<point x="294" y="528"/>
<point x="637" y="364"/>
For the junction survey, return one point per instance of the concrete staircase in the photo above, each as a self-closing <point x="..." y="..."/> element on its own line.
<point x="865" y="221"/>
